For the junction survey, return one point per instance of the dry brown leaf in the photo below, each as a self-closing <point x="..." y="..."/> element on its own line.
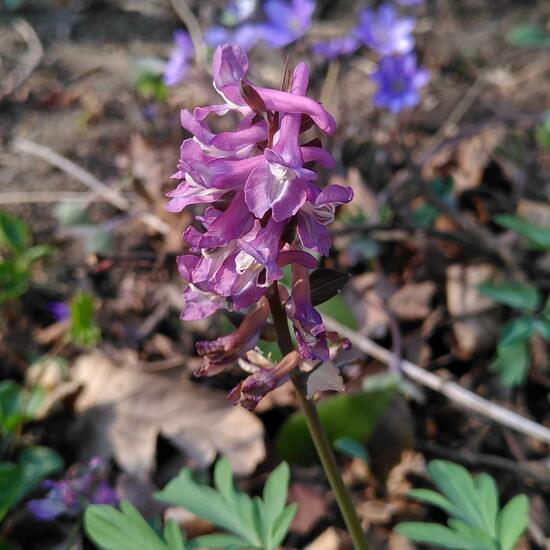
<point x="312" y="506"/>
<point x="412" y="301"/>
<point x="469" y="159"/>
<point x="476" y="321"/>
<point x="327" y="377"/>
<point x="327" y="540"/>
<point x="127" y="409"/>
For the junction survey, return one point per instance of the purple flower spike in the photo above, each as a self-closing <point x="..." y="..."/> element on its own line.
<point x="399" y="81"/>
<point x="182" y="53"/>
<point x="384" y="31"/>
<point x="260" y="210"/>
<point x="286" y="21"/>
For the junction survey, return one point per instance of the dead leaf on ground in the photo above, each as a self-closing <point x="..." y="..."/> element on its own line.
<point x="476" y="320"/>
<point x="412" y="301"/>
<point x="327" y="540"/>
<point x="468" y="159"/>
<point x="126" y="410"/>
<point x="312" y="506"/>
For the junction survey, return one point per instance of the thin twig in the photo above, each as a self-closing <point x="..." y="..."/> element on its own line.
<point x="30" y="197"/>
<point x="89" y="180"/>
<point x="454" y="392"/>
<point x="193" y="27"/>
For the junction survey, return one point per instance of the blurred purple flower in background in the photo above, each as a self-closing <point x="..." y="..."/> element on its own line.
<point x="286" y="21"/>
<point x="384" y="31"/>
<point x="399" y="81"/>
<point x="59" y="310"/>
<point x="410" y="2"/>
<point x="245" y="36"/>
<point x="335" y="47"/>
<point x="182" y="52"/>
<point x="70" y="495"/>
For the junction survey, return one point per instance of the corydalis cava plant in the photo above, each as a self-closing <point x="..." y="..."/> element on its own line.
<point x="261" y="211"/>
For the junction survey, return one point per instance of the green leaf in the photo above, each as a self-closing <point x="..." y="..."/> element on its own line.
<point x="512" y="293"/>
<point x="488" y="502"/>
<point x="38" y="463"/>
<point x="512" y="363"/>
<point x="14" y="279"/>
<point x="126" y="529"/>
<point x="173" y="536"/>
<point x="433" y="498"/>
<point x="282" y="525"/>
<point x="14" y="233"/>
<point x="206" y="503"/>
<point x="36" y="252"/>
<point x="542" y="326"/>
<point x="223" y="480"/>
<point x="477" y="536"/>
<point x="512" y="521"/>
<point x="457" y="485"/>
<point x="337" y="308"/>
<point x="344" y="415"/>
<point x="274" y="500"/>
<point x="438" y="535"/>
<point x="352" y="448"/>
<point x="11" y="480"/>
<point x="528" y="35"/>
<point x="84" y="331"/>
<point x="229" y="542"/>
<point x="516" y="330"/>
<point x="536" y="235"/>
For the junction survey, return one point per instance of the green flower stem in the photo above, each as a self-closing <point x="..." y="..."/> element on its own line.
<point x="318" y="434"/>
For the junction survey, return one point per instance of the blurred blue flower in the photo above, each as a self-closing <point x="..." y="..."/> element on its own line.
<point x="410" y="2"/>
<point x="59" y="310"/>
<point x="286" y="21"/>
<point x="399" y="81"/>
<point x="335" y="47"/>
<point x="245" y="36"/>
<point x="177" y="65"/>
<point x="384" y="31"/>
<point x="70" y="495"/>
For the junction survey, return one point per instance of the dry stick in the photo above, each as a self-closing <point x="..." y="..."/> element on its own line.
<point x="30" y="197"/>
<point x="316" y="430"/>
<point x="89" y="180"/>
<point x="191" y="22"/>
<point x="454" y="392"/>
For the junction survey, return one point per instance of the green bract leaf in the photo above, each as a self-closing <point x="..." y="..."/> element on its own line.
<point x="513" y="294"/>
<point x="512" y="521"/>
<point x="14" y="233"/>
<point x="126" y="529"/>
<point x="274" y="500"/>
<point x="282" y="525"/>
<point x="173" y="536"/>
<point x="536" y="235"/>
